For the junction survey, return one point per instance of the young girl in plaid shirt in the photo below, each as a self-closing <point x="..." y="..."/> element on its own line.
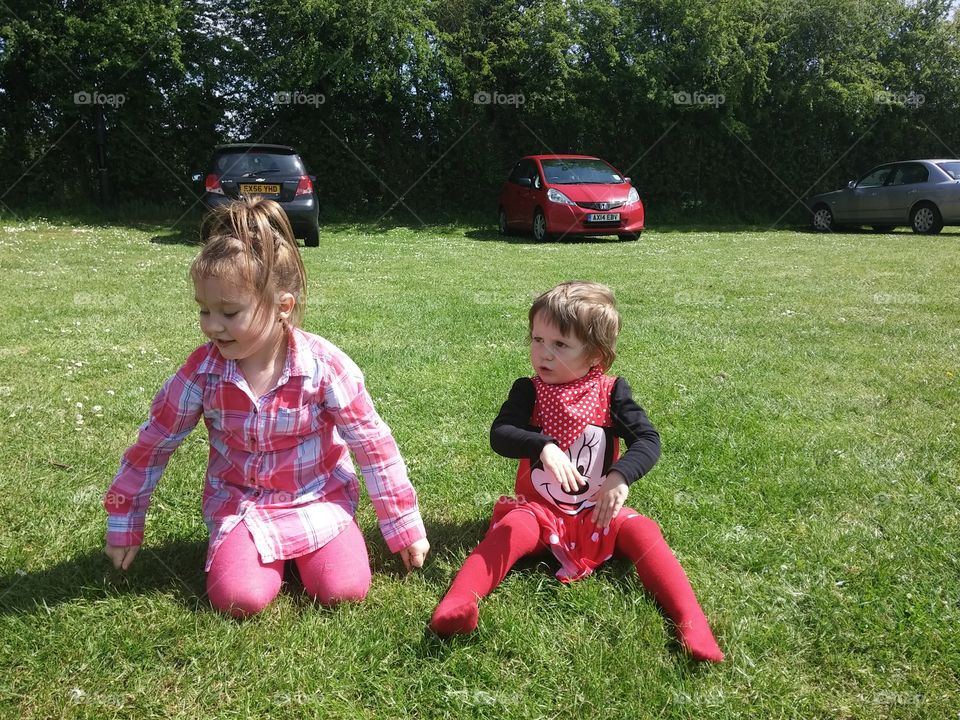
<point x="283" y="408"/>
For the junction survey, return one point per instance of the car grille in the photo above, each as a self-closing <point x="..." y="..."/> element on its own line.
<point x="601" y="205"/>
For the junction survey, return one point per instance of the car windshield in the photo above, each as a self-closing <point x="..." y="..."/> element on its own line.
<point x="580" y="171"/>
<point x="248" y="164"/>
<point x="951" y="168"/>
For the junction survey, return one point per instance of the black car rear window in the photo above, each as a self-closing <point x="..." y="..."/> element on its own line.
<point x="253" y="162"/>
<point x="580" y="171"/>
<point x="951" y="168"/>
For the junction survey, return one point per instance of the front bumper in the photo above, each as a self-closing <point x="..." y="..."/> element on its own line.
<point x="572" y="220"/>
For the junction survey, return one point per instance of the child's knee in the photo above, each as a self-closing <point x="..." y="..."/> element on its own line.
<point x="517" y="526"/>
<point x="332" y="592"/>
<point x="240" y="602"/>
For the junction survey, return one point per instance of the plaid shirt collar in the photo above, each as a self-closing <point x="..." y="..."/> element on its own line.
<point x="299" y="360"/>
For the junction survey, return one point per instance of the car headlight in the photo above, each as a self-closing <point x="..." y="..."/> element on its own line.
<point x="558" y="197"/>
<point x="633" y="196"/>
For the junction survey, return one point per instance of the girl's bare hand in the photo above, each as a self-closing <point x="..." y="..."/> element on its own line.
<point x="122" y="555"/>
<point x="414" y="554"/>
<point x="556" y="461"/>
<point x="613" y="494"/>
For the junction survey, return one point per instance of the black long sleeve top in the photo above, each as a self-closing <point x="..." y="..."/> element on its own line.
<point x="513" y="436"/>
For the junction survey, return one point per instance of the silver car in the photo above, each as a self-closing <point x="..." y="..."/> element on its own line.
<point x="924" y="194"/>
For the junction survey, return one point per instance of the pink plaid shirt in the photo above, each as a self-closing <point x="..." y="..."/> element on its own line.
<point x="278" y="463"/>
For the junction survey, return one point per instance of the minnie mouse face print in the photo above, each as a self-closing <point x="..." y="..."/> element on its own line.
<point x="591" y="454"/>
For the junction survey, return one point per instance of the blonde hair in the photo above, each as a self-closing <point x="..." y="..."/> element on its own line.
<point x="589" y="310"/>
<point x="249" y="242"/>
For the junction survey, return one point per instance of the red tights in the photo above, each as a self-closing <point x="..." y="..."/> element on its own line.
<point x="639" y="539"/>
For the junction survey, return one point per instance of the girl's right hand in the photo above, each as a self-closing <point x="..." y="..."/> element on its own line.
<point x="121" y="555"/>
<point x="556" y="461"/>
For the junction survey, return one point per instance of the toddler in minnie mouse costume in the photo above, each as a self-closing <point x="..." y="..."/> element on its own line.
<point x="564" y="425"/>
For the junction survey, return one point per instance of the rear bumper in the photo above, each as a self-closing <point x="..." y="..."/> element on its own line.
<point x="303" y="212"/>
<point x="572" y="220"/>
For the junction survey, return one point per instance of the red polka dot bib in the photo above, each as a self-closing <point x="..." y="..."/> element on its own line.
<point x="563" y="411"/>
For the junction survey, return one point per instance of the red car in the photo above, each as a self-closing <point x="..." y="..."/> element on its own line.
<point x="559" y="195"/>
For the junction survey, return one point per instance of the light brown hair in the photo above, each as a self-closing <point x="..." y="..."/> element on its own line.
<point x="249" y="242"/>
<point x="588" y="310"/>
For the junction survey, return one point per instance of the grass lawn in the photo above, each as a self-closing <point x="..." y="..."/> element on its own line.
<point x="805" y="387"/>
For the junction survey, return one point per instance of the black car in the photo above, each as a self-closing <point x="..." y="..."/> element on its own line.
<point x="272" y="171"/>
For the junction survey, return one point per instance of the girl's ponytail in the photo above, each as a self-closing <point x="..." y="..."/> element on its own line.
<point x="250" y="242"/>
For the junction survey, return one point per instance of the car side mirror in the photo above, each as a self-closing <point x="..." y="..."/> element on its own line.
<point x="852" y="184"/>
<point x="627" y="180"/>
<point x="196" y="177"/>
<point x="525" y="182"/>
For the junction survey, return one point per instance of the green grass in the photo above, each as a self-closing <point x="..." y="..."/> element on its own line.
<point x="805" y="386"/>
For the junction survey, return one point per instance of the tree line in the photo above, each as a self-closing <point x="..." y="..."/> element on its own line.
<point x="721" y="108"/>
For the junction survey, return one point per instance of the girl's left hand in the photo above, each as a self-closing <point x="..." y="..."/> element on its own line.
<point x="613" y="494"/>
<point x="414" y="554"/>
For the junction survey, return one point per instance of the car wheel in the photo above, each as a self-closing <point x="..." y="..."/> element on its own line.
<point x="925" y="219"/>
<point x="312" y="237"/>
<point x="822" y="219"/>
<point x="629" y="236"/>
<point x="502" y="226"/>
<point x="540" y="226"/>
<point x="883" y="228"/>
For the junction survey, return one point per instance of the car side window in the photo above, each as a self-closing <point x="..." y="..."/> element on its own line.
<point x="876" y="178"/>
<point x="952" y="169"/>
<point x="910" y="174"/>
<point x="517" y="172"/>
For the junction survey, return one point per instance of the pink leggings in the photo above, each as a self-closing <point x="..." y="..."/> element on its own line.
<point x="239" y="584"/>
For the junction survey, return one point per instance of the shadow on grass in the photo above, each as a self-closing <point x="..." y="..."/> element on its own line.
<point x="178" y="236"/>
<point x="176" y="569"/>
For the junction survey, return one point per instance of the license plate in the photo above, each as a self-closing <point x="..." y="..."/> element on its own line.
<point x="603" y="217"/>
<point x="258" y="189"/>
